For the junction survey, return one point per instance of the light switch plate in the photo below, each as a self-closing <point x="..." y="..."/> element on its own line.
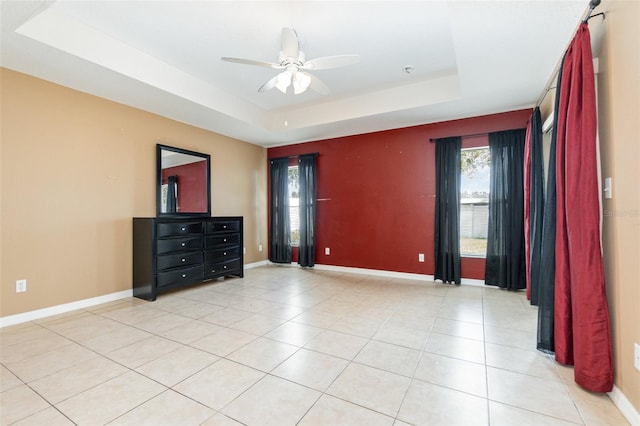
<point x="608" y="189"/>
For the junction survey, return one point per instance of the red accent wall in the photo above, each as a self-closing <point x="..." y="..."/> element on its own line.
<point x="192" y="180"/>
<point x="376" y="193"/>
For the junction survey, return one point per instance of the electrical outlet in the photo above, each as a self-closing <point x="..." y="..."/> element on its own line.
<point x="327" y="251"/>
<point x="21" y="286"/>
<point x="636" y="357"/>
<point x="420" y="257"/>
<point x="259" y="247"/>
<point x="244" y="250"/>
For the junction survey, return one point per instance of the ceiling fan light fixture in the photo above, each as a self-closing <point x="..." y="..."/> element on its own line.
<point x="284" y="81"/>
<point x="301" y="82"/>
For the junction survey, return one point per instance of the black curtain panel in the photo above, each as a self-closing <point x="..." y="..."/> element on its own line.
<point x="279" y="229"/>
<point x="172" y="194"/>
<point x="447" y="214"/>
<point x="546" y="286"/>
<point x="536" y="204"/>
<point x="308" y="192"/>
<point x="505" y="263"/>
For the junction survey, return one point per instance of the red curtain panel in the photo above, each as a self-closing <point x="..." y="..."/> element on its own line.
<point x="582" y="332"/>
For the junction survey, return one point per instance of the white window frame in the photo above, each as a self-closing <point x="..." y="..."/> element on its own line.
<point x="467" y="254"/>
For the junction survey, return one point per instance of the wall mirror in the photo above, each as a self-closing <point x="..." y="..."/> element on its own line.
<point x="183" y="182"/>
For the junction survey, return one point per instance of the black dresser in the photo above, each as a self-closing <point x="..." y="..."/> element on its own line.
<point x="175" y="252"/>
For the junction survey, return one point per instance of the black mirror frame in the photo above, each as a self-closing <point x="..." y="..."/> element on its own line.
<point x="207" y="157"/>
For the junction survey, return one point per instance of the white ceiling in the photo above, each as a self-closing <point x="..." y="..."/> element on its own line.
<point x="469" y="58"/>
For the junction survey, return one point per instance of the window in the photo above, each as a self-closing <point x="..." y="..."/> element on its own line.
<point x="474" y="200"/>
<point x="294" y="205"/>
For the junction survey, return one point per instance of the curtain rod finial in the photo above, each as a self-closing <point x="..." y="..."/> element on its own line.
<point x="592" y="5"/>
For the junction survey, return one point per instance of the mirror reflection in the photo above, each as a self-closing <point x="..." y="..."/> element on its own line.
<point x="183" y="181"/>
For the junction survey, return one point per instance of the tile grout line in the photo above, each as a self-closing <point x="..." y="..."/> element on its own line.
<point x="486" y="368"/>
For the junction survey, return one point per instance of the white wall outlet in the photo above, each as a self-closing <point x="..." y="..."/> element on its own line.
<point x="327" y="251"/>
<point x="420" y="257"/>
<point x="259" y="247"/>
<point x="244" y="250"/>
<point x="636" y="356"/>
<point x="21" y="286"/>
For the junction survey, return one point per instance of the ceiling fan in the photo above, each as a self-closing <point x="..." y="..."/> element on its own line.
<point x="295" y="65"/>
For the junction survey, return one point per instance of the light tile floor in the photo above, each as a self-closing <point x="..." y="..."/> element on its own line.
<point x="287" y="346"/>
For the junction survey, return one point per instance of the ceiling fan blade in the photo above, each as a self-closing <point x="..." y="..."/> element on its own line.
<point x="329" y="62"/>
<point x="268" y="85"/>
<point x="317" y="85"/>
<point x="252" y="62"/>
<point x="290" y="44"/>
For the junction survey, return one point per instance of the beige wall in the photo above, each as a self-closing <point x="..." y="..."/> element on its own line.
<point x="619" y="131"/>
<point x="74" y="170"/>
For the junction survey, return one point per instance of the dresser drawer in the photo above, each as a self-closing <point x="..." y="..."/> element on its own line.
<point x="222" y="226"/>
<point x="219" y="241"/>
<point x="180" y="276"/>
<point x="221" y="255"/>
<point x="169" y="261"/>
<point x="174" y="229"/>
<point x="213" y="270"/>
<point x="168" y="245"/>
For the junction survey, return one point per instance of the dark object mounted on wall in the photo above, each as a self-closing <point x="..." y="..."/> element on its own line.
<point x="183" y="183"/>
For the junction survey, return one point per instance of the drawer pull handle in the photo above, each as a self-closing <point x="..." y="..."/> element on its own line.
<point x="225" y="240"/>
<point x="224" y="254"/>
<point x="213" y="271"/>
<point x="183" y="228"/>
<point x="225" y="267"/>
<point x="184" y="275"/>
<point x="184" y="260"/>
<point x="183" y="244"/>
<point x="225" y="226"/>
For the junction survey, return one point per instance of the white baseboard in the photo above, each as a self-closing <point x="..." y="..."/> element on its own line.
<point x="61" y="309"/>
<point x="256" y="264"/>
<point x="68" y="307"/>
<point x="374" y="272"/>
<point x="624" y="405"/>
<point x="393" y="274"/>
<point x="477" y="283"/>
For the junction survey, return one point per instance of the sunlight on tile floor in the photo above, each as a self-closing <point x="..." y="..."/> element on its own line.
<point x="287" y="346"/>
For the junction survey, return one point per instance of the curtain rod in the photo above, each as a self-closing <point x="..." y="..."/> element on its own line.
<point x="546" y="92"/>
<point x="554" y="75"/>
<point x="470" y="135"/>
<point x="432" y="140"/>
<point x="592" y="5"/>
<point x="296" y="156"/>
<point x="597" y="14"/>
